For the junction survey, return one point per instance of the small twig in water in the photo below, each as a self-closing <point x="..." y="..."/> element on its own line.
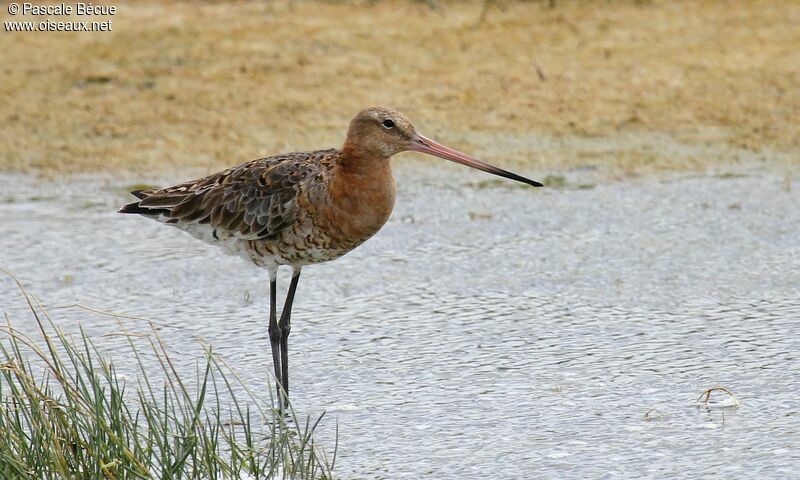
<point x="653" y="414"/>
<point x="707" y="395"/>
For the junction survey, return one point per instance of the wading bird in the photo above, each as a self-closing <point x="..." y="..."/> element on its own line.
<point x="302" y="208"/>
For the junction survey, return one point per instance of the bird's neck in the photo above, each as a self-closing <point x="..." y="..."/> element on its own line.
<point x="362" y="194"/>
<point x="363" y="180"/>
<point x="358" y="168"/>
<point x="357" y="160"/>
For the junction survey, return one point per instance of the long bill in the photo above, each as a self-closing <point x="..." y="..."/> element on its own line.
<point x="425" y="145"/>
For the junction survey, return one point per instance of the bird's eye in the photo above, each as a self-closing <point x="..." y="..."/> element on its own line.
<point x="388" y="123"/>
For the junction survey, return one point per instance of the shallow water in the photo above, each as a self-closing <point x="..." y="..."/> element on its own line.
<point x="486" y="331"/>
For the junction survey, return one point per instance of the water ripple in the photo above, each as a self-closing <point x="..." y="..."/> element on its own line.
<point x="526" y="343"/>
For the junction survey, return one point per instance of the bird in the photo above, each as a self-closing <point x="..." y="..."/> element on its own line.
<point x="299" y="209"/>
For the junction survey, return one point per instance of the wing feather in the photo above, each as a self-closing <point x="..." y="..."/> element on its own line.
<point x="255" y="200"/>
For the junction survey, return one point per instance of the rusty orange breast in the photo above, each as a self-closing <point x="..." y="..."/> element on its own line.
<point x="361" y="200"/>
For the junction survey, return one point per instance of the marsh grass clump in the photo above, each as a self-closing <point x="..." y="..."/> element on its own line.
<point x="65" y="412"/>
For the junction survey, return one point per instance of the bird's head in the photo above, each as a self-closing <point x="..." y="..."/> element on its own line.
<point x="381" y="132"/>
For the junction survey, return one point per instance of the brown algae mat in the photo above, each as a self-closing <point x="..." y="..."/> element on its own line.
<point x="618" y="86"/>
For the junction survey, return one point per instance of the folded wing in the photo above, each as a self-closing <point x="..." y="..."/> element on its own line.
<point x="256" y="200"/>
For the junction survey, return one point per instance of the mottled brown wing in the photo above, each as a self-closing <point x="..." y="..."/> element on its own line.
<point x="255" y="200"/>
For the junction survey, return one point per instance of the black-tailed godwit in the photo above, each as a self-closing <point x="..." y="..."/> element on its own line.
<point x="302" y="208"/>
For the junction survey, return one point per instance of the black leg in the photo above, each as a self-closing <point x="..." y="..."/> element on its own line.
<point x="275" y="336"/>
<point x="286" y="327"/>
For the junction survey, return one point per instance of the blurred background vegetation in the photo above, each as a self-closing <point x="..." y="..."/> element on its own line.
<point x="625" y="86"/>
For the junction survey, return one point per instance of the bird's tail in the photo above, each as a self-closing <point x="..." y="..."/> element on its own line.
<point x="135" y="207"/>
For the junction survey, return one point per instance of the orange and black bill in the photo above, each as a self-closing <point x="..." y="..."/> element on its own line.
<point x="425" y="145"/>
